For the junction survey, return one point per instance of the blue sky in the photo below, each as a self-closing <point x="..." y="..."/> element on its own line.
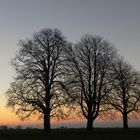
<point x="115" y="20"/>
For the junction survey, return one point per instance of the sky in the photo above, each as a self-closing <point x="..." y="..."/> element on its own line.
<point x="116" y="20"/>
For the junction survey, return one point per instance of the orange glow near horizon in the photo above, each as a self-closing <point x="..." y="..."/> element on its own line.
<point x="9" y="118"/>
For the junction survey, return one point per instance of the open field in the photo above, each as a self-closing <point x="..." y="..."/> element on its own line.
<point x="71" y="134"/>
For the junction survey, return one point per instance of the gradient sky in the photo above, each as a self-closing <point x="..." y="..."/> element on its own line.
<point x="115" y="20"/>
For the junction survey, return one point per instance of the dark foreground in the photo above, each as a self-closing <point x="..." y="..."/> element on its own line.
<point x="71" y="134"/>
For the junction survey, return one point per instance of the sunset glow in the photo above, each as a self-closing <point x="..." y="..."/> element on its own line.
<point x="117" y="21"/>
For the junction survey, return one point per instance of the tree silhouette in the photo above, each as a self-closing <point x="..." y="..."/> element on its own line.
<point x="87" y="67"/>
<point x="37" y="88"/>
<point x="125" y="93"/>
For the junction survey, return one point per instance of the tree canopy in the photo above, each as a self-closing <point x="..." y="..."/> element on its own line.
<point x="54" y="75"/>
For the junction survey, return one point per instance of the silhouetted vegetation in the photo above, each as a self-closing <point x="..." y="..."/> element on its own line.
<point x="88" y="66"/>
<point x="54" y="75"/>
<point x="3" y="127"/>
<point x="37" y="86"/>
<point x="125" y="93"/>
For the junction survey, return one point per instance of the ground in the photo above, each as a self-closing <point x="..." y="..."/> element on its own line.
<point x="71" y="134"/>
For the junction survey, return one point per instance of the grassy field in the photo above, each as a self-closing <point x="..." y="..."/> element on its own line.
<point x="71" y="134"/>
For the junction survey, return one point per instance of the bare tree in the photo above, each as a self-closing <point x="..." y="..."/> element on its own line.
<point x="88" y="66"/>
<point x="125" y="93"/>
<point x="37" y="89"/>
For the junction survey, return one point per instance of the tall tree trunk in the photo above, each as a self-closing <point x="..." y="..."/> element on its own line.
<point x="125" y="121"/>
<point x="89" y="123"/>
<point x="125" y="104"/>
<point x="47" y="126"/>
